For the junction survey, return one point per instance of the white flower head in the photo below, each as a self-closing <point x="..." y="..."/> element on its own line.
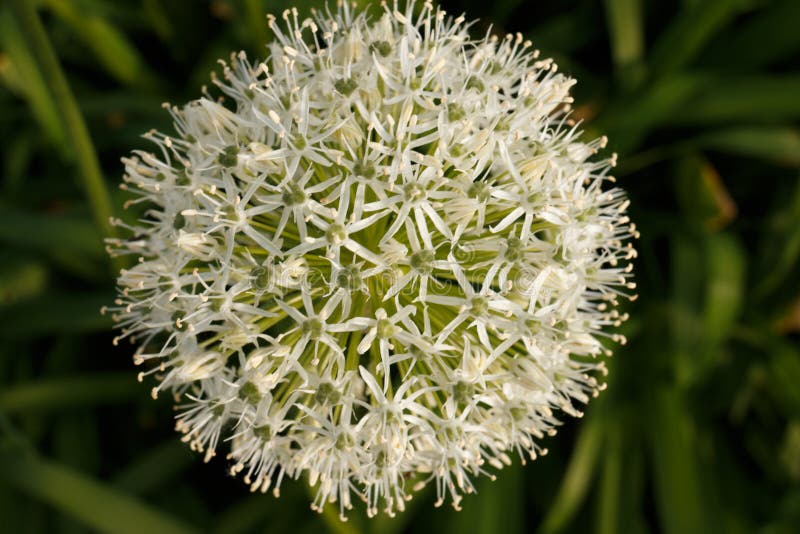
<point x="385" y="258"/>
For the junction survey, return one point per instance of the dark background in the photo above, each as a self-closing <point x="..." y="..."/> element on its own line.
<point x="699" y="430"/>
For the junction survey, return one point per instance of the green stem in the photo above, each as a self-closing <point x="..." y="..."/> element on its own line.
<point x="86" y="157"/>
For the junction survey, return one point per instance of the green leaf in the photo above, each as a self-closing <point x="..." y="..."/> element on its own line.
<point x="578" y="477"/>
<point x="21" y="279"/>
<point x="383" y="524"/>
<point x="66" y="313"/>
<point x="69" y="241"/>
<point x="158" y="18"/>
<point x="497" y="505"/>
<point x="255" y="19"/>
<point x="48" y="232"/>
<point x="784" y="375"/>
<point x="95" y="504"/>
<point x="702" y="194"/>
<point x="625" y="26"/>
<point x="768" y="37"/>
<point x="23" y="75"/>
<point x="609" y="505"/>
<point x="566" y="33"/>
<point x="110" y="46"/>
<point x="679" y="495"/>
<point x="90" y="174"/>
<point x="757" y="99"/>
<point x="249" y="512"/>
<point x="725" y="286"/>
<point x="154" y="468"/>
<point x="780" y="250"/>
<point x="692" y="28"/>
<point x="629" y="120"/>
<point x="777" y="144"/>
<point x="56" y="394"/>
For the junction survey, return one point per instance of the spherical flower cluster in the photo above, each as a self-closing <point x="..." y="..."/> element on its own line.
<point x="384" y="258"/>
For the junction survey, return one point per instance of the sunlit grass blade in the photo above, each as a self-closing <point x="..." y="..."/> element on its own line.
<point x="158" y="19"/>
<point x="58" y="394"/>
<point x="21" y="73"/>
<point x="578" y="477"/>
<point x="26" y="18"/>
<point x="254" y="18"/>
<point x="93" y="503"/>
<point x="689" y="278"/>
<point x="626" y="29"/>
<point x="724" y="288"/>
<point x="21" y="279"/>
<point x="112" y="49"/>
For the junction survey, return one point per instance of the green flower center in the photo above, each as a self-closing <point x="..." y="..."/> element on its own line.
<point x="327" y="394"/>
<point x="349" y="277"/>
<point x="422" y="261"/>
<point x="229" y="157"/>
<point x="250" y="393"/>
<point x="336" y="233"/>
<point x="293" y="195"/>
<point x="313" y="328"/>
<point x="345" y="86"/>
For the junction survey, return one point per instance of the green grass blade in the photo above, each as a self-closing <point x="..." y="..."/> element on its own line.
<point x="626" y="29"/>
<point x="776" y="144"/>
<point x="629" y="120"/>
<point x="780" y="252"/>
<point x="55" y="313"/>
<point x="23" y="75"/>
<point x="69" y="242"/>
<point x="44" y="232"/>
<point x="768" y="37"/>
<point x="89" y="167"/>
<point x="685" y="37"/>
<point x="496" y="506"/>
<point x="109" y="45"/>
<point x="256" y="22"/>
<point x="725" y="287"/>
<point x="755" y="99"/>
<point x="679" y="495"/>
<point x="609" y="505"/>
<point x="90" y="501"/>
<point x="154" y="468"/>
<point x="21" y="279"/>
<point x="57" y="394"/>
<point x="156" y="15"/>
<point x="578" y="477"/>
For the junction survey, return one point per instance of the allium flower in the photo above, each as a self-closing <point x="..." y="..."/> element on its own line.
<point x="384" y="259"/>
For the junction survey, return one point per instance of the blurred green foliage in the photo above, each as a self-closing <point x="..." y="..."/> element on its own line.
<point x="699" y="430"/>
